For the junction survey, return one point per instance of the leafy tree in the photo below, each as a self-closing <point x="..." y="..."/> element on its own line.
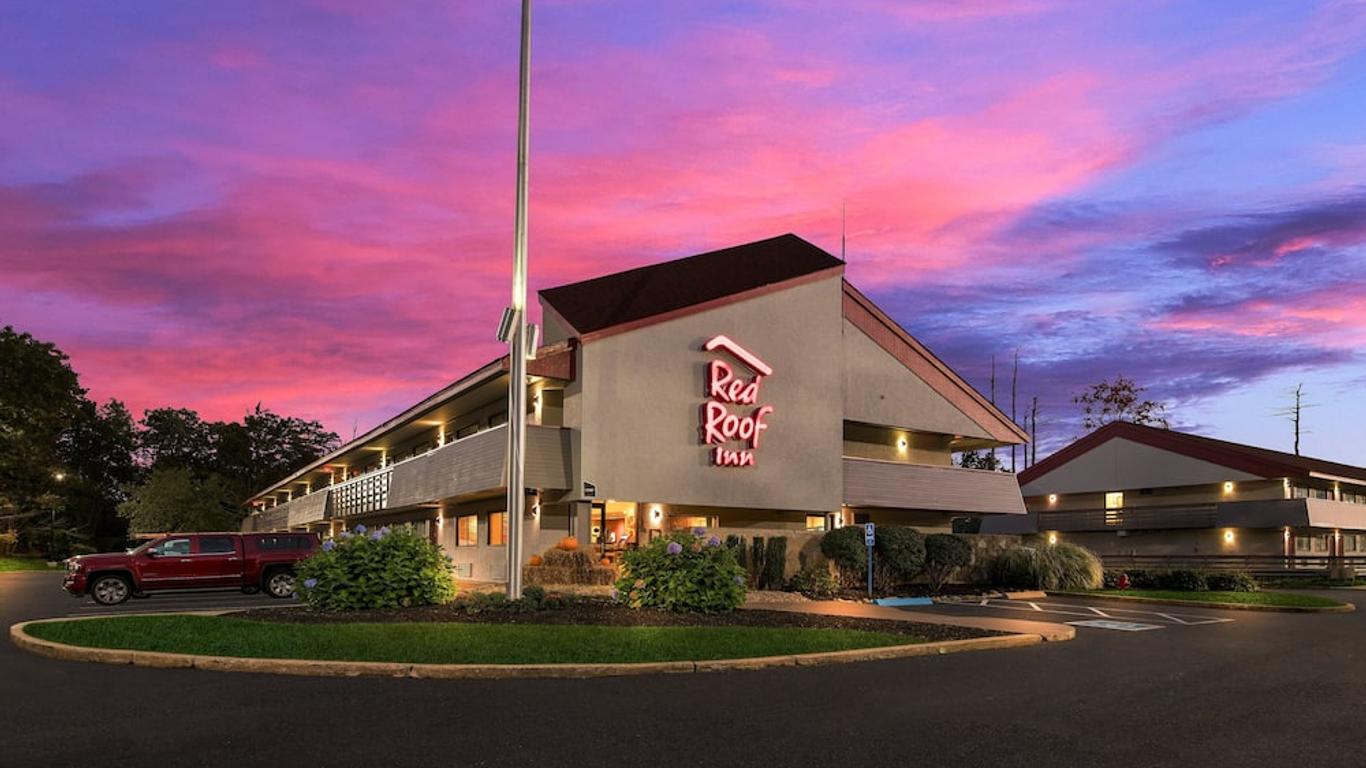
<point x="175" y="437"/>
<point x="39" y="395"/>
<point x="975" y="460"/>
<point x="279" y="445"/>
<point x="176" y="499"/>
<point x="1118" y="400"/>
<point x="98" y="451"/>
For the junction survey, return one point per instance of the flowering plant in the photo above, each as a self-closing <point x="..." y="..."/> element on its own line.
<point x="390" y="568"/>
<point x="682" y="572"/>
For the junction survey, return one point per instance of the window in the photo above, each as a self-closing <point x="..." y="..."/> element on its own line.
<point x="172" y="547"/>
<point x="217" y="545"/>
<point x="1320" y="543"/>
<point x="815" y="522"/>
<point x="279" y="542"/>
<point x="466" y="431"/>
<point x="467" y="531"/>
<point x="498" y="418"/>
<point x="1114" y="508"/>
<point x="1301" y="543"/>
<point x="498" y="529"/>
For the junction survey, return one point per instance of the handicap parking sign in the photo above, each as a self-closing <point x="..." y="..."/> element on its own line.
<point x="868" y="531"/>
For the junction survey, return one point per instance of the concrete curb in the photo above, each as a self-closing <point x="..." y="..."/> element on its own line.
<point x="1343" y="608"/>
<point x="320" y="668"/>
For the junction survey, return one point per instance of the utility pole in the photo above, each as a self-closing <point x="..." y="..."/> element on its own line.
<point x="1014" y="377"/>
<point x="1034" y="432"/>
<point x="1295" y="412"/>
<point x="993" y="402"/>
<point x="516" y="334"/>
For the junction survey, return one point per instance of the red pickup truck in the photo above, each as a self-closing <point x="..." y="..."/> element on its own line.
<point x="245" y="561"/>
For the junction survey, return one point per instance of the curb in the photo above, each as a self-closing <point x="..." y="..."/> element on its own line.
<point x="320" y="668"/>
<point x="1343" y="608"/>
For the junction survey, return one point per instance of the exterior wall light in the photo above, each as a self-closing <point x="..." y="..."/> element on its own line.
<point x="1228" y="537"/>
<point x="1052" y="498"/>
<point x="1228" y="487"/>
<point x="902" y="444"/>
<point x="1052" y="538"/>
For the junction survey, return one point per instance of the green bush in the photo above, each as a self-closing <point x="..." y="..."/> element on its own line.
<point x="1183" y="580"/>
<point x="385" y="568"/>
<point x="684" y="571"/>
<point x="815" y="581"/>
<point x="899" y="555"/>
<point x="844" y="547"/>
<point x="1232" y="581"/>
<point x="1110" y="579"/>
<point x="736" y="544"/>
<point x="755" y="570"/>
<point x="1067" y="566"/>
<point x="945" y="553"/>
<point x="1056" y="566"/>
<point x="775" y="564"/>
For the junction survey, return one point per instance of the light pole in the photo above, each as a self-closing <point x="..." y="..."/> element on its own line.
<point x="52" y="521"/>
<point x="517" y="333"/>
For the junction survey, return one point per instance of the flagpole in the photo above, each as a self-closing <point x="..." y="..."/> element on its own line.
<point x="517" y="352"/>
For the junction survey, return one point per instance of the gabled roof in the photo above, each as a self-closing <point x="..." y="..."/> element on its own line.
<point x="919" y="360"/>
<point x="631" y="298"/>
<point x="1245" y="458"/>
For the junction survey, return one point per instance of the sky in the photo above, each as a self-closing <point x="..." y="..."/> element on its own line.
<point x="309" y="203"/>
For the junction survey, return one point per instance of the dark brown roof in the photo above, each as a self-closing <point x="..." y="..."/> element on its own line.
<point x="659" y="289"/>
<point x="1247" y="458"/>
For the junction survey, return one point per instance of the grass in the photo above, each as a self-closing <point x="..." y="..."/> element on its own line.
<point x="1278" y="599"/>
<point x="9" y="563"/>
<point x="452" y="643"/>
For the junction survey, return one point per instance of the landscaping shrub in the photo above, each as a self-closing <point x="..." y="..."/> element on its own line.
<point x="844" y="547"/>
<point x="1057" y="566"/>
<point x="945" y="553"/>
<point x="1231" y="581"/>
<point x="736" y="545"/>
<point x="1067" y="566"/>
<point x="814" y="581"/>
<point x="684" y="571"/>
<point x="1112" y="578"/>
<point x="1183" y="580"/>
<point x="775" y="564"/>
<point x="385" y="568"/>
<point x="755" y="570"/>
<point x="1145" y="579"/>
<point x="898" y="555"/>
<point x="9" y="541"/>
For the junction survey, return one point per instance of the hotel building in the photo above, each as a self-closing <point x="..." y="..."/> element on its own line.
<point x="749" y="388"/>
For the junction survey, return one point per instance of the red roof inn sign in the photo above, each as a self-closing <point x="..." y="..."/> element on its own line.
<point x="727" y="393"/>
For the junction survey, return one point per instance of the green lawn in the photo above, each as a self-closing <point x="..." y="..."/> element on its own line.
<point x="9" y="563"/>
<point x="1279" y="599"/>
<point x="452" y="643"/>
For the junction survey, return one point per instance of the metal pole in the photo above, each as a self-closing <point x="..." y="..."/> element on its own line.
<point x="517" y="353"/>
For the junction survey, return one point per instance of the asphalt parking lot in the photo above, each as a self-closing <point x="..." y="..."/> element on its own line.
<point x="1265" y="689"/>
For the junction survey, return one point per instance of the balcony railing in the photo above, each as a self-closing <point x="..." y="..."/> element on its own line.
<point x="1129" y="518"/>
<point x="367" y="493"/>
<point x="1257" y="564"/>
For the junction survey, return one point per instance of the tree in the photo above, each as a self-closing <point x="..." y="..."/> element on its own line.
<point x="1295" y="412"/>
<point x="39" y="397"/>
<point x="175" y="499"/>
<point x="98" y="451"/>
<point x="1118" y="400"/>
<point x="175" y="437"/>
<point x="975" y="460"/>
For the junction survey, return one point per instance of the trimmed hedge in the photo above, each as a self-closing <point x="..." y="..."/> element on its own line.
<point x="1185" y="580"/>
<point x="898" y="554"/>
<point x="945" y="553"/>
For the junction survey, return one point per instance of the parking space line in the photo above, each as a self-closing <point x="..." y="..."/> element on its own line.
<point x="1090" y="612"/>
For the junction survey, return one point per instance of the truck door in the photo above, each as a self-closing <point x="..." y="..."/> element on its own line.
<point x="219" y="561"/>
<point x="169" y="564"/>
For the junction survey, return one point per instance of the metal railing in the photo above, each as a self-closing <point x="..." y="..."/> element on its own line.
<point x="367" y="493"/>
<point x="1257" y="564"/>
<point x="1130" y="518"/>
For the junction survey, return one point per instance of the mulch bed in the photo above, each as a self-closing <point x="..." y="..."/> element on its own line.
<point x="599" y="612"/>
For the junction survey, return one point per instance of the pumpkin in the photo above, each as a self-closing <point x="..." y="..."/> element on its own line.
<point x="535" y="560"/>
<point x="605" y="561"/>
<point x="568" y="544"/>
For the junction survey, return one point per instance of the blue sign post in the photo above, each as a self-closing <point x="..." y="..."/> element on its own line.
<point x="869" y="537"/>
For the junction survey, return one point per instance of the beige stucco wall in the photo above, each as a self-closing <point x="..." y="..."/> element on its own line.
<point x="642" y="390"/>
<point x="1211" y="493"/>
<point x="879" y="390"/>
<point x="1120" y="464"/>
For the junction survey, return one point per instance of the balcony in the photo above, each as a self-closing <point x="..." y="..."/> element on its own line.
<point x="897" y="485"/>
<point x="1130" y="518"/>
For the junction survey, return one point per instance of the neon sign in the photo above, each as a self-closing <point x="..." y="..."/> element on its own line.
<point x="726" y="388"/>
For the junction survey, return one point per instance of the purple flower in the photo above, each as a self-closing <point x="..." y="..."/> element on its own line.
<point x="699" y="531"/>
<point x="384" y="531"/>
<point x="310" y="583"/>
<point x="360" y="528"/>
<point x="713" y="542"/>
<point x="377" y="535"/>
<point x="346" y="534"/>
<point x="329" y="545"/>
<point x="615" y="595"/>
<point x="674" y="548"/>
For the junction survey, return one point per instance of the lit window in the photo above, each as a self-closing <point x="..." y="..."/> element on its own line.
<point x="1114" y="508"/>
<point x="815" y="522"/>
<point x="498" y="529"/>
<point x="467" y="531"/>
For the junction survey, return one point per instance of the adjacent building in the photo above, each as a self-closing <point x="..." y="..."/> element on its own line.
<point x="748" y="388"/>
<point x="1131" y="490"/>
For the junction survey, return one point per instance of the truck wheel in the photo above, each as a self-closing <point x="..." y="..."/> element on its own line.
<point x="280" y="583"/>
<point x="111" y="589"/>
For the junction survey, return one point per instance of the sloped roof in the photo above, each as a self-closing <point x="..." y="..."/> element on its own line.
<point x="636" y="295"/>
<point x="1246" y="458"/>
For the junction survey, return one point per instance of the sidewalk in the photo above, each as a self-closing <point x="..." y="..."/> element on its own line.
<point x="1049" y="631"/>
